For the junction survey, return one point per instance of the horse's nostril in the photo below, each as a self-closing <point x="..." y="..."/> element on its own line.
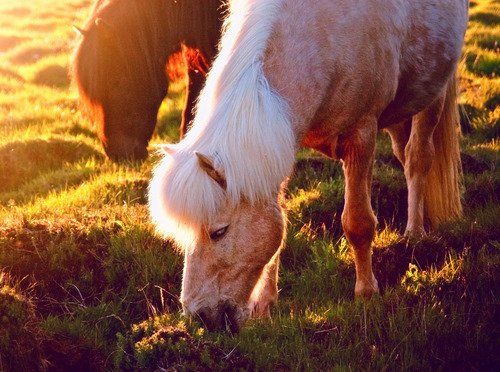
<point x="222" y="318"/>
<point x="205" y="318"/>
<point x="227" y="317"/>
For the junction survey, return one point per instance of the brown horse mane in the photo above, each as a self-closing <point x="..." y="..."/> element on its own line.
<point x="144" y="34"/>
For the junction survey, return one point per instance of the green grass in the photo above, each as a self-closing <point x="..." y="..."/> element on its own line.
<point x="85" y="282"/>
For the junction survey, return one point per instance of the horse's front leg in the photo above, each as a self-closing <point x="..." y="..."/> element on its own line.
<point x="265" y="293"/>
<point x="196" y="80"/>
<point x="358" y="220"/>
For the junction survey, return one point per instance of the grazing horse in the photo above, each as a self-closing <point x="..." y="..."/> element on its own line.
<point x="328" y="75"/>
<point x="119" y="64"/>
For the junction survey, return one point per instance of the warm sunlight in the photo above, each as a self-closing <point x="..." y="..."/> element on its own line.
<point x="294" y="196"/>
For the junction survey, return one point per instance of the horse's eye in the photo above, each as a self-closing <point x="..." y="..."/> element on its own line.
<point x="218" y="234"/>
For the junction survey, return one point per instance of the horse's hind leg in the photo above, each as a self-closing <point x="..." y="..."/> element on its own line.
<point x="358" y="221"/>
<point x="400" y="134"/>
<point x="419" y="153"/>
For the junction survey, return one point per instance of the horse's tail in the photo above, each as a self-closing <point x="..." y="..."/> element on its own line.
<point x="443" y="183"/>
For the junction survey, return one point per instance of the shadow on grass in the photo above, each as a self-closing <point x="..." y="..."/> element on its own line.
<point x="49" y="182"/>
<point x="472" y="235"/>
<point x="51" y="75"/>
<point x="26" y="54"/>
<point x="20" y="161"/>
<point x="20" y="335"/>
<point x="88" y="280"/>
<point x="72" y="264"/>
<point x="17" y="11"/>
<point x="487" y="19"/>
<point x="10" y="74"/>
<point x="10" y="41"/>
<point x="78" y="129"/>
<point x="40" y="26"/>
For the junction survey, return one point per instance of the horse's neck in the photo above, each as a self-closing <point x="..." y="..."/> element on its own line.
<point x="288" y="64"/>
<point x="166" y="38"/>
<point x="195" y="23"/>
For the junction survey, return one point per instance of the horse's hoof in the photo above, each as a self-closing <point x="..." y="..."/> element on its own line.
<point x="414" y="233"/>
<point x="365" y="290"/>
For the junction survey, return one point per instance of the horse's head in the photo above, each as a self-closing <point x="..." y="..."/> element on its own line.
<point x="225" y="262"/>
<point x="120" y="73"/>
<point x="226" y="244"/>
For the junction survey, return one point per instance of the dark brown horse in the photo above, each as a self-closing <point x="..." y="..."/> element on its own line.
<point x="120" y="61"/>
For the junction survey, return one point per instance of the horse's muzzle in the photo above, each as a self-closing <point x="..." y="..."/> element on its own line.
<point x="131" y="152"/>
<point x="221" y="319"/>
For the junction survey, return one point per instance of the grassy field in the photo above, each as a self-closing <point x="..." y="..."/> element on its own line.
<point x="86" y="284"/>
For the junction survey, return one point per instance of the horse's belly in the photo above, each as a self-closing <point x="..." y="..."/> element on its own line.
<point x="418" y="87"/>
<point x="408" y="102"/>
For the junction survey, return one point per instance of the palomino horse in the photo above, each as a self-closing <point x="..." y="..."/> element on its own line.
<point x="328" y="75"/>
<point x="119" y="64"/>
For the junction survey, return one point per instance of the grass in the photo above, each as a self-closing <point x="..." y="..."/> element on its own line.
<point x="85" y="283"/>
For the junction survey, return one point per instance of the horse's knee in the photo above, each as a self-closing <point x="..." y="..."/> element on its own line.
<point x="359" y="228"/>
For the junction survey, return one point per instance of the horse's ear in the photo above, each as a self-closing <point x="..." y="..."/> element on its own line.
<point x="80" y="31"/>
<point x="208" y="166"/>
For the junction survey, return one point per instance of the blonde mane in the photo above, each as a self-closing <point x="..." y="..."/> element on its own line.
<point x="241" y="123"/>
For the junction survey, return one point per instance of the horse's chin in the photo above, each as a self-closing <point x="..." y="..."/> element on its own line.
<point x="137" y="152"/>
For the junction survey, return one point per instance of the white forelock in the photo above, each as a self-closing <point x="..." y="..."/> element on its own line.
<point x="240" y="123"/>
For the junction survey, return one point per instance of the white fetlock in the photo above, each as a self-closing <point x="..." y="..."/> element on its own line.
<point x="414" y="232"/>
<point x="364" y="289"/>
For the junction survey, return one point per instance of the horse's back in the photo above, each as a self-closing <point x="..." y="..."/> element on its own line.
<point x="430" y="51"/>
<point x="406" y="52"/>
<point x="387" y="59"/>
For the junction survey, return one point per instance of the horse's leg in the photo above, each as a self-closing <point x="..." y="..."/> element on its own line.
<point x="358" y="220"/>
<point x="419" y="153"/>
<point x="265" y="292"/>
<point x="400" y="134"/>
<point x="196" y="79"/>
